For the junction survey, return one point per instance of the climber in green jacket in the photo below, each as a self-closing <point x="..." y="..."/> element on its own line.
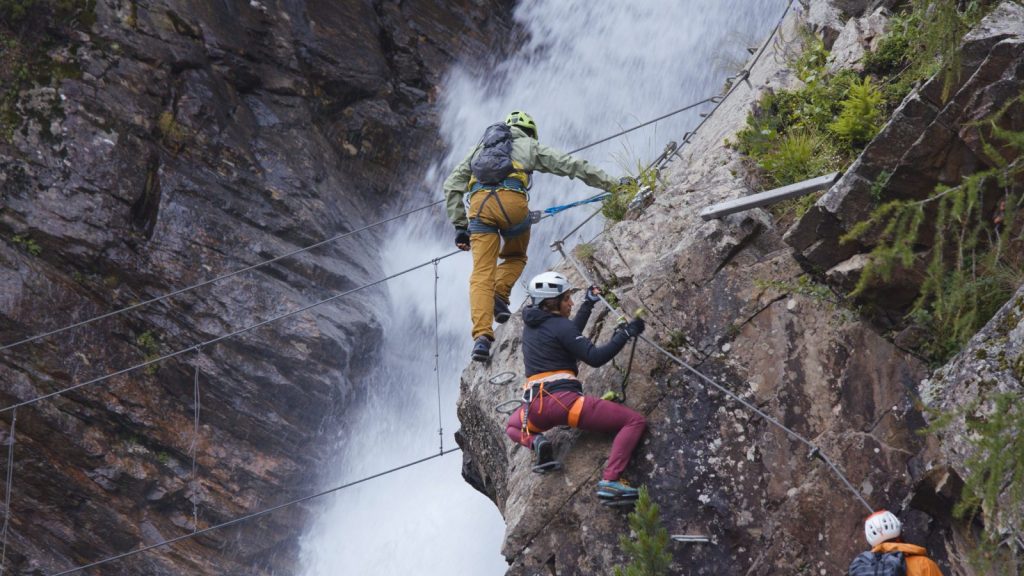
<point x="498" y="223"/>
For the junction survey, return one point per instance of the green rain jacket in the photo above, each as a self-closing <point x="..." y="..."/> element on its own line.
<point x="528" y="155"/>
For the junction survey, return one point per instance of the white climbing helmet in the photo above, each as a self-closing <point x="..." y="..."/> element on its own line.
<point x="548" y="285"/>
<point x="881" y="526"/>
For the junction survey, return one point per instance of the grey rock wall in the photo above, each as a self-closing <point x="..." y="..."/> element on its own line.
<point x="927" y="142"/>
<point x="182" y="140"/>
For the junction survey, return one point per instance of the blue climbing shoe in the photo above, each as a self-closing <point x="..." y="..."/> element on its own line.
<point x="482" y="349"/>
<point x="616" y="490"/>
<point x="501" y="311"/>
<point x="545" y="453"/>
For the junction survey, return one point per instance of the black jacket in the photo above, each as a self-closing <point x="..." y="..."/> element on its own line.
<point x="551" y="342"/>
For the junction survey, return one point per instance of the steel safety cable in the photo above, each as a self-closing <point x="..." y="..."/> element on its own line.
<point x="254" y="515"/>
<point x="437" y="365"/>
<point x="225" y="336"/>
<point x="643" y="124"/>
<point x="7" y="491"/>
<point x="815" y="450"/>
<point x="335" y="238"/>
<point x="742" y="76"/>
<point x="194" y="448"/>
<point x="210" y="281"/>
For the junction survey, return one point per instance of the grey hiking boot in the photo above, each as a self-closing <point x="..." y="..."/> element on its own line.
<point x="545" y="455"/>
<point x="482" y="349"/>
<point x="501" y="310"/>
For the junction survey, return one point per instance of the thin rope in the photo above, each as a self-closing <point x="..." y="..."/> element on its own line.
<point x="255" y="514"/>
<point x="194" y="448"/>
<point x="562" y="207"/>
<point x="223" y="337"/>
<point x="8" y="490"/>
<point x="211" y="280"/>
<point x="815" y="450"/>
<point x="437" y="366"/>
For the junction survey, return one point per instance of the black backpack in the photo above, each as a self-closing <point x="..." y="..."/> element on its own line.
<point x="494" y="161"/>
<point x="883" y="564"/>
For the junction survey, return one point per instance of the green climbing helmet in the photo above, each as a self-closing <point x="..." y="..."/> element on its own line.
<point x="522" y="120"/>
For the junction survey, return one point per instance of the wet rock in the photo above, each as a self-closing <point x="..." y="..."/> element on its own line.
<point x="826" y="20"/>
<point x="859" y="36"/>
<point x="184" y="141"/>
<point x="965" y="391"/>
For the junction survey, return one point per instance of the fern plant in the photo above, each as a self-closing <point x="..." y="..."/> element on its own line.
<point x="649" y="549"/>
<point x="861" y="117"/>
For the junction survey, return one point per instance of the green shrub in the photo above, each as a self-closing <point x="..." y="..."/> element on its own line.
<point x="14" y="11"/>
<point x="150" y="347"/>
<point x="27" y="244"/>
<point x="649" y="550"/>
<point x="787" y="134"/>
<point x="585" y="251"/>
<point x="797" y="156"/>
<point x="861" y="117"/>
<point x="922" y="40"/>
<point x="614" y="207"/>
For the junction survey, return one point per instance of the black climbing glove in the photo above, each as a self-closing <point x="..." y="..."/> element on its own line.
<point x="594" y="293"/>
<point x="634" y="328"/>
<point x="462" y="238"/>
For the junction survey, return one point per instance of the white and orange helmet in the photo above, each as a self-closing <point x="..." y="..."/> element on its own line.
<point x="881" y="526"/>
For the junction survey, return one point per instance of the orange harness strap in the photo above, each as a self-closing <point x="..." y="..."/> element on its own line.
<point x="574" y="413"/>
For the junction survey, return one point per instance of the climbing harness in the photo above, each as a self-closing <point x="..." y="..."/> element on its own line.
<point x="477" y="226"/>
<point x="534" y="389"/>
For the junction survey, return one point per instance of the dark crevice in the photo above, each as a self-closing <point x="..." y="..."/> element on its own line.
<point x="146" y="209"/>
<point x="735" y="250"/>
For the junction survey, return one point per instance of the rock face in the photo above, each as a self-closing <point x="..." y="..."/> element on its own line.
<point x="927" y="142"/>
<point x="731" y="300"/>
<point x="992" y="364"/>
<point x="181" y="140"/>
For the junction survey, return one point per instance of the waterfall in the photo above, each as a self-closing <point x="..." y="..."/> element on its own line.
<point x="589" y="68"/>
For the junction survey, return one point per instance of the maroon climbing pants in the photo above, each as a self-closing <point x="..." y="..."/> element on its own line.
<point x="597" y="415"/>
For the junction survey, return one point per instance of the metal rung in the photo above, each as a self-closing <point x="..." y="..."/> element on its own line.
<point x="508" y="406"/>
<point x="502" y="378"/>
<point x="770" y="197"/>
<point x="689" y="538"/>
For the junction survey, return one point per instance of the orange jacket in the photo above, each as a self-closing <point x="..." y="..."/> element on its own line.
<point x="918" y="562"/>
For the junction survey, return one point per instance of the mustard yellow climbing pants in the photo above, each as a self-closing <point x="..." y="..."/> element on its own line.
<point x="489" y="278"/>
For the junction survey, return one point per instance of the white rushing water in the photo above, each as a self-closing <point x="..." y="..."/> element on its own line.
<point x="590" y="69"/>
